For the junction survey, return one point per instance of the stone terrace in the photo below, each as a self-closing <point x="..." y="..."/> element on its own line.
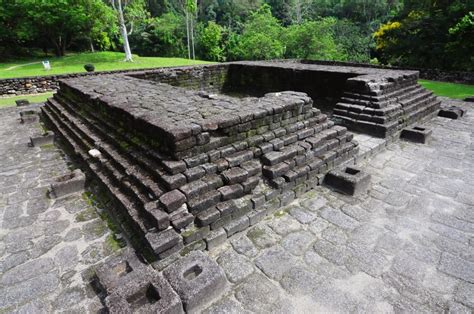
<point x="406" y="246"/>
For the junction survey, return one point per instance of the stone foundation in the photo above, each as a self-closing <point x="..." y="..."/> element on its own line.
<point x="196" y="154"/>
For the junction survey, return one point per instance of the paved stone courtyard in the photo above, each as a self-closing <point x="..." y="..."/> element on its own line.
<point x="407" y="246"/>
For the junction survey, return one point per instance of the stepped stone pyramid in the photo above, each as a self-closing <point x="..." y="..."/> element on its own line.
<point x="193" y="155"/>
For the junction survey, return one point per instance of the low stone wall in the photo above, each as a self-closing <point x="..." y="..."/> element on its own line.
<point x="42" y="84"/>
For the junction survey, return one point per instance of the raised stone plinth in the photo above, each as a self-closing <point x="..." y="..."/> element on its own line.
<point x="416" y="134"/>
<point x="192" y="152"/>
<point x="197" y="279"/>
<point x="43" y="139"/>
<point x="350" y="180"/>
<point x="70" y="183"/>
<point x="452" y="112"/>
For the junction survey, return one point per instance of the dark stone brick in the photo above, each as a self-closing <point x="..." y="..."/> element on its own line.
<point x="235" y="175"/>
<point x="194" y="189"/>
<point x="207" y="217"/>
<point x="276" y="171"/>
<point x="239" y="158"/>
<point x="204" y="201"/>
<point x="164" y="240"/>
<point x="250" y="184"/>
<point x="172" y="200"/>
<point x="231" y="191"/>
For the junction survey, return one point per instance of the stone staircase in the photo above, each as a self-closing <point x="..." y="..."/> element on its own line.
<point x="384" y="109"/>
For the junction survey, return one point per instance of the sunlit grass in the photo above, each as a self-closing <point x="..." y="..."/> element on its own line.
<point x="10" y="101"/>
<point x="74" y="63"/>
<point x="451" y="90"/>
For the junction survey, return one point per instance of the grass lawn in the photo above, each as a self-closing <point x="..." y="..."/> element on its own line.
<point x="451" y="90"/>
<point x="74" y="63"/>
<point x="10" y="101"/>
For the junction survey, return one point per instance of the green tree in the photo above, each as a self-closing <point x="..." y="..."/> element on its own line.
<point x="211" y="42"/>
<point x="313" y="40"/>
<point x="161" y="36"/>
<point x="424" y="35"/>
<point x="261" y="37"/>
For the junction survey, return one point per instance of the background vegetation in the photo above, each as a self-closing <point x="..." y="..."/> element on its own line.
<point x="421" y="33"/>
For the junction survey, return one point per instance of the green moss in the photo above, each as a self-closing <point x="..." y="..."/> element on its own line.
<point x="255" y="234"/>
<point x="88" y="214"/>
<point x="112" y="244"/>
<point x="47" y="146"/>
<point x="280" y="213"/>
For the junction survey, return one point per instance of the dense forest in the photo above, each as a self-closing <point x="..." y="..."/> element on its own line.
<point x="421" y="33"/>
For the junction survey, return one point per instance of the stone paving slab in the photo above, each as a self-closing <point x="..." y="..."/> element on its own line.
<point x="45" y="244"/>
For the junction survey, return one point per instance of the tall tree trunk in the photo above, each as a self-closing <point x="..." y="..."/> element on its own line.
<point x="192" y="36"/>
<point x="92" y="45"/>
<point x="123" y="31"/>
<point x="187" y="33"/>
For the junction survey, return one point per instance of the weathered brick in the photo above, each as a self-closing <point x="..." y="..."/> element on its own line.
<point x="172" y="200"/>
<point x="275" y="171"/>
<point x="174" y="181"/>
<point x="234" y="175"/>
<point x="204" y="201"/>
<point x="250" y="184"/>
<point x="231" y="191"/>
<point x="194" y="189"/>
<point x="194" y="173"/>
<point x="207" y="217"/>
<point x="253" y="167"/>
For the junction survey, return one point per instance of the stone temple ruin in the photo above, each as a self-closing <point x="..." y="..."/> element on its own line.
<point x="193" y="155"/>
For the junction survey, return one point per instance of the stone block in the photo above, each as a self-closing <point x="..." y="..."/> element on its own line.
<point x="231" y="191"/>
<point x="215" y="238"/>
<point x="22" y="102"/>
<point x="44" y="139"/>
<point x="235" y="175"/>
<point x="197" y="279"/>
<point x="164" y="240"/>
<point x="416" y="134"/>
<point x="207" y="217"/>
<point x="181" y="218"/>
<point x="151" y="294"/>
<point x="118" y="270"/>
<point x="29" y="116"/>
<point x="157" y="215"/>
<point x="70" y="183"/>
<point x="452" y="112"/>
<point x="351" y="180"/>
<point x="237" y="225"/>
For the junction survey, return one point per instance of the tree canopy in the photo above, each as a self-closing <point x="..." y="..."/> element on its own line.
<point x="425" y="33"/>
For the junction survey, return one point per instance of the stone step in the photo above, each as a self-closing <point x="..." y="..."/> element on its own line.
<point x="120" y="179"/>
<point x="148" y="192"/>
<point x="383" y="99"/>
<point x="81" y="152"/>
<point x="154" y="158"/>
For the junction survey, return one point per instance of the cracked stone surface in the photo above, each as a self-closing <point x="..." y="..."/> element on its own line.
<point x="42" y="241"/>
<point x="406" y="246"/>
